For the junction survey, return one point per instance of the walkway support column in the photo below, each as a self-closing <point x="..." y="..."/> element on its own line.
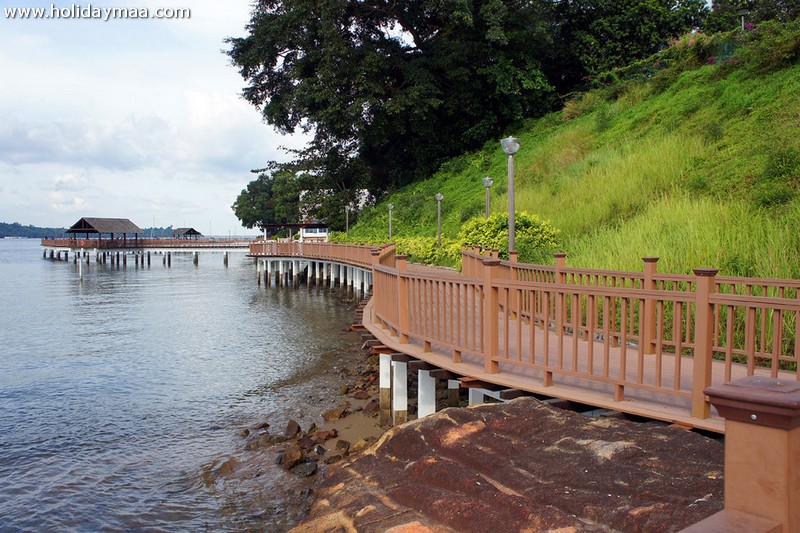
<point x="426" y="387"/>
<point x="385" y="384"/>
<point x="762" y="456"/>
<point x="399" y="392"/>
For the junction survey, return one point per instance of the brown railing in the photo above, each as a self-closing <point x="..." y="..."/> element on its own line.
<point x="108" y="244"/>
<point x="344" y="253"/>
<point x="641" y="333"/>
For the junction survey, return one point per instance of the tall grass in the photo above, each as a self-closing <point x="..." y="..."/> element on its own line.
<point x="699" y="166"/>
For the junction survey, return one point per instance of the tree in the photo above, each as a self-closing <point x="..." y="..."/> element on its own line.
<point x="391" y="89"/>
<point x="605" y="34"/>
<point x="271" y="198"/>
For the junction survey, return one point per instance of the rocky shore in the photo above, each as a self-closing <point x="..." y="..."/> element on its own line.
<point x="520" y="466"/>
<point x="523" y="466"/>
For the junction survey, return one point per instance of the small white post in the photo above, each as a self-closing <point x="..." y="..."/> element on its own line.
<point x="427" y="393"/>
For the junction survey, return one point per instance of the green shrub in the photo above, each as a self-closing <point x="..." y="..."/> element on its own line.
<point x="535" y="240"/>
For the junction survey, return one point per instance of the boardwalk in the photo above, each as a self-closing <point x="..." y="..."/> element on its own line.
<point x="641" y="343"/>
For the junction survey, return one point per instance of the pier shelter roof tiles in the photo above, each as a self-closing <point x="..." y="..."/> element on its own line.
<point x="112" y="226"/>
<point x="186" y="233"/>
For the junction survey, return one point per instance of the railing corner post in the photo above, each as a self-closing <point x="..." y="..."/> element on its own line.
<point x="648" y="325"/>
<point x="762" y="444"/>
<point x="703" y="340"/>
<point x="402" y="299"/>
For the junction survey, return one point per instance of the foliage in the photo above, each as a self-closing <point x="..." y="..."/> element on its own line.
<point x="391" y="89"/>
<point x="419" y="249"/>
<point x="16" y="229"/>
<point x="607" y="34"/>
<point x="269" y="199"/>
<point x="535" y="240"/>
<point x="700" y="168"/>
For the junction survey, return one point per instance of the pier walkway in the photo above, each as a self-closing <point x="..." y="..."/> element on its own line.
<point x="642" y="343"/>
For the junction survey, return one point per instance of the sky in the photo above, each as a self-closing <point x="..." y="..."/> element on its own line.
<point x="128" y="118"/>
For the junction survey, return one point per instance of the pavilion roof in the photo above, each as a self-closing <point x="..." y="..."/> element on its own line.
<point x="104" y="225"/>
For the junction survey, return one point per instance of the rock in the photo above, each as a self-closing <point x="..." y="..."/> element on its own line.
<point x="361" y="395"/>
<point x="263" y="425"/>
<point x="306" y="443"/>
<point x="292" y="456"/>
<point x="305" y="469"/>
<point x="311" y="430"/>
<point x="372" y="407"/>
<point x="523" y="466"/>
<point x="336" y="413"/>
<point x="292" y="429"/>
<point x="343" y="446"/>
<point x="327" y="435"/>
<point x="344" y="389"/>
<point x="244" y="433"/>
<point x="361" y="445"/>
<point x="333" y="459"/>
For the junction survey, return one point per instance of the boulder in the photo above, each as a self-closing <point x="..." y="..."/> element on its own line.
<point x="524" y="466"/>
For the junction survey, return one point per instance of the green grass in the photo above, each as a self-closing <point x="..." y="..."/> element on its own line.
<point x="699" y="166"/>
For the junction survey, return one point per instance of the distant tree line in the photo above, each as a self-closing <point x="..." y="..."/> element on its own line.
<point x="389" y="90"/>
<point x="15" y="229"/>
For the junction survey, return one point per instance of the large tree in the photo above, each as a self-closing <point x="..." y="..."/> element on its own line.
<point x="390" y="89"/>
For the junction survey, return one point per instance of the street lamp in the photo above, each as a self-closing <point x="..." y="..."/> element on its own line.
<point x="439" y="197"/>
<point x="391" y="206"/>
<point x="510" y="147"/>
<point x="346" y="222"/>
<point x="487" y="182"/>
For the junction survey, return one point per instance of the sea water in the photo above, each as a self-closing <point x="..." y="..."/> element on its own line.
<point x="120" y="386"/>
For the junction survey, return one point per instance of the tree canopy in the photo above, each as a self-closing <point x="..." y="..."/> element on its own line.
<point x="389" y="90"/>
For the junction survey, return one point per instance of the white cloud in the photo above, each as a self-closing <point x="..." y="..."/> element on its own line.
<point x="139" y="119"/>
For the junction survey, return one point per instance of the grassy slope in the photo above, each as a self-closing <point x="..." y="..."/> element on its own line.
<point x="701" y="173"/>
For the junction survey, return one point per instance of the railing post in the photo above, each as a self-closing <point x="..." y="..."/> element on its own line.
<point x="402" y="299"/>
<point x="491" y="337"/>
<point x="703" y="340"/>
<point x="647" y="328"/>
<point x="561" y="278"/>
<point x="762" y="447"/>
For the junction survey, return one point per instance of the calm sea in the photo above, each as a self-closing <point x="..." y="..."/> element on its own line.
<point x="119" y="391"/>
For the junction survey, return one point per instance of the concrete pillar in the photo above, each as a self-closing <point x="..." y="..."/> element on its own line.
<point x="762" y="456"/>
<point x="426" y="386"/>
<point x="399" y="392"/>
<point x="476" y="396"/>
<point x="385" y="384"/>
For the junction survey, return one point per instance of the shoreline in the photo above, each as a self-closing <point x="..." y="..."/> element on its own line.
<point x="277" y="465"/>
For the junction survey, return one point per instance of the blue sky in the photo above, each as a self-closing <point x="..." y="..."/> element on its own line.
<point x="138" y="119"/>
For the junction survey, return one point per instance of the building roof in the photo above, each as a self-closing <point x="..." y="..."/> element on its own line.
<point x="185" y="231"/>
<point x="104" y="225"/>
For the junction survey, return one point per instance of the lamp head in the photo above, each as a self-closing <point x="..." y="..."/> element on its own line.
<point x="487" y="182"/>
<point x="439" y="197"/>
<point x="390" y="206"/>
<point x="510" y="145"/>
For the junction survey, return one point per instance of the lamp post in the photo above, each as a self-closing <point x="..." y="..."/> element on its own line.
<point x="439" y="197"/>
<point x="391" y="206"/>
<point x="346" y="223"/>
<point x="510" y="147"/>
<point x="487" y="182"/>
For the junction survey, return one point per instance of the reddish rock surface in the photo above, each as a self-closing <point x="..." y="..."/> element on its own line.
<point x="523" y="466"/>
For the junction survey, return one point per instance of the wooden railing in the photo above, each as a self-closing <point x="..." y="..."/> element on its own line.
<point x="108" y="244"/>
<point x="653" y="333"/>
<point x="344" y="253"/>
